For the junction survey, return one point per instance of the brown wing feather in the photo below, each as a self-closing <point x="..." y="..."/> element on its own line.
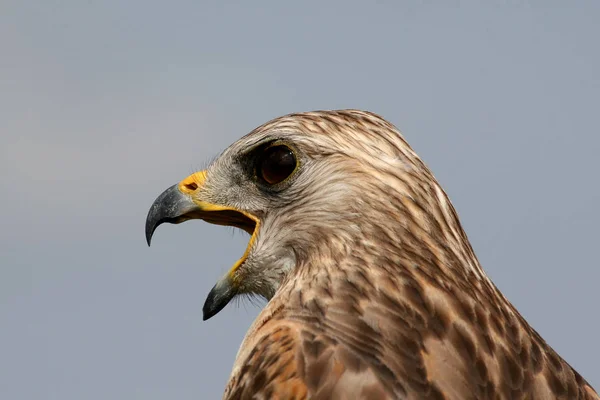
<point x="357" y="340"/>
<point x="292" y="361"/>
<point x="270" y="370"/>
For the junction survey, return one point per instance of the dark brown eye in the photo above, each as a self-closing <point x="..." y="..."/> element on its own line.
<point x="275" y="164"/>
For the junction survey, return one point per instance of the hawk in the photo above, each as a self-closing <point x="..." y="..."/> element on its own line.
<point x="373" y="289"/>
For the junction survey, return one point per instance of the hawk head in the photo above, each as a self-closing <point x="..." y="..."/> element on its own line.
<point x="303" y="185"/>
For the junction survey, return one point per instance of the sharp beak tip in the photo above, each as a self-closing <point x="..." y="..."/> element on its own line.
<point x="150" y="227"/>
<point x="149" y="230"/>
<point x="219" y="296"/>
<point x="171" y="206"/>
<point x="208" y="313"/>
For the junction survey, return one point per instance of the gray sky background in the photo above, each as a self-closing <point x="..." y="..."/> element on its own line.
<point x="103" y="104"/>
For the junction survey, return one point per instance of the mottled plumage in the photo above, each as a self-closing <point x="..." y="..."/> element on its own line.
<point x="374" y="290"/>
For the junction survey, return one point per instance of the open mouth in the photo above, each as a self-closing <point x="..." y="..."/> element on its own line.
<point x="183" y="202"/>
<point x="233" y="218"/>
<point x="237" y="219"/>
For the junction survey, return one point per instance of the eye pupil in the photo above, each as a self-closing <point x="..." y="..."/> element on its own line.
<point x="276" y="164"/>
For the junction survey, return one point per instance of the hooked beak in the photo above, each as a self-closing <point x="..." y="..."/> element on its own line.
<point x="183" y="202"/>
